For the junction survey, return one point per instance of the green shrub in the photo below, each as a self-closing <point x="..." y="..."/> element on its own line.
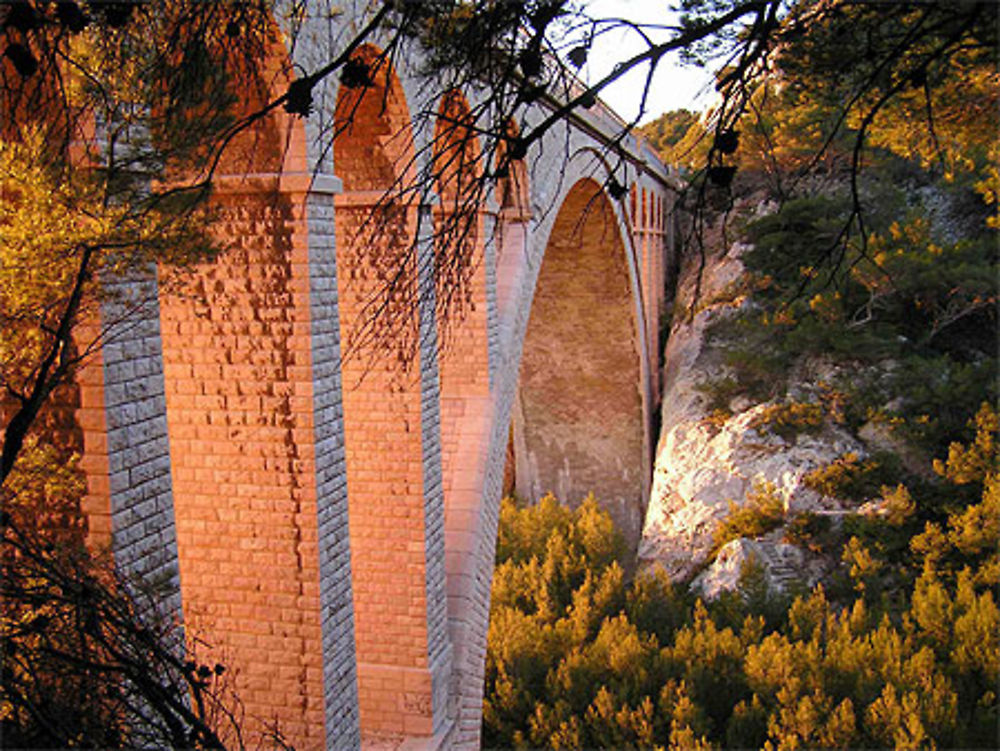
<point x="719" y="393"/>
<point x="763" y="512"/>
<point x="619" y="664"/>
<point x="809" y="530"/>
<point x="849" y="478"/>
<point x="789" y="418"/>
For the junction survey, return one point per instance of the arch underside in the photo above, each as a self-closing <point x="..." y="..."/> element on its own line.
<point x="578" y="420"/>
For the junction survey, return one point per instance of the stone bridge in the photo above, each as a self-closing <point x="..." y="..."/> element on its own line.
<point x="327" y="523"/>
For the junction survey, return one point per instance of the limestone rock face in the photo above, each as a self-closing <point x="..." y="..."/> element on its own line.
<point x="783" y="566"/>
<point x="704" y="462"/>
<point x="700" y="468"/>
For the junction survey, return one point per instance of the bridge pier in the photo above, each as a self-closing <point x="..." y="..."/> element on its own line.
<point x="257" y="464"/>
<point x="392" y="427"/>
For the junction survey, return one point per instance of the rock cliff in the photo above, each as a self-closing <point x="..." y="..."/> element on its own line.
<point x="708" y="459"/>
<point x="802" y="392"/>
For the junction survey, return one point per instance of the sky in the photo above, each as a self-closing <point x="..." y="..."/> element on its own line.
<point x="674" y="86"/>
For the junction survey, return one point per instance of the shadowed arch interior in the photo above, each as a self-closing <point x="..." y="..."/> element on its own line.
<point x="511" y="245"/>
<point x="462" y="322"/>
<point x="578" y="425"/>
<point x="376" y="218"/>
<point x="456" y="169"/>
<point x="374" y="144"/>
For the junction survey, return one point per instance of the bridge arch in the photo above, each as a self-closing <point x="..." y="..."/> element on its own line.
<point x="556" y="205"/>
<point x="463" y="351"/>
<point x="511" y="243"/>
<point x="373" y="139"/>
<point x="459" y="287"/>
<point x="579" y="419"/>
<point x="278" y="442"/>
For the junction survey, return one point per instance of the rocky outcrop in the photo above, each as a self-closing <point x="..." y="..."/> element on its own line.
<point x="719" y="446"/>
<point x="706" y="461"/>
<point x="701" y="468"/>
<point x="784" y="566"/>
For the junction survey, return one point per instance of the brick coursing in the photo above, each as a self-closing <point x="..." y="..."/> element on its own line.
<point x="237" y="365"/>
<point x="336" y="520"/>
<point x="340" y="688"/>
<point x="438" y="645"/>
<point x="490" y="251"/>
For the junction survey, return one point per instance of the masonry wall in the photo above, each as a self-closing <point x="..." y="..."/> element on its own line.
<point x="391" y="425"/>
<point x="340" y="683"/>
<point x="238" y="374"/>
<point x="462" y="325"/>
<point x="229" y="407"/>
<point x="126" y="383"/>
<point x="646" y="214"/>
<point x="383" y="431"/>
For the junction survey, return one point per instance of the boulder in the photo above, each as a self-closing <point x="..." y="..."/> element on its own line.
<point x="701" y="467"/>
<point x="785" y="566"/>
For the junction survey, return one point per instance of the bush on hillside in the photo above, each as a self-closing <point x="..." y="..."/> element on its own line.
<point x="580" y="656"/>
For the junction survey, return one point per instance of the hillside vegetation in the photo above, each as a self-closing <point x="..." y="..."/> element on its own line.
<point x="901" y="651"/>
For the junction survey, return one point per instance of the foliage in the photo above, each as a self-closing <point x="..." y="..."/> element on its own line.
<point x="562" y="625"/>
<point x="916" y="85"/>
<point x="978" y="461"/>
<point x="82" y="664"/>
<point x="845" y="76"/>
<point x="789" y="418"/>
<point x="850" y="478"/>
<point x="110" y="115"/>
<point x="763" y="511"/>
<point x="912" y="318"/>
<point x="808" y="530"/>
<point x="666" y="131"/>
<point x="630" y="664"/>
<point x="887" y="273"/>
